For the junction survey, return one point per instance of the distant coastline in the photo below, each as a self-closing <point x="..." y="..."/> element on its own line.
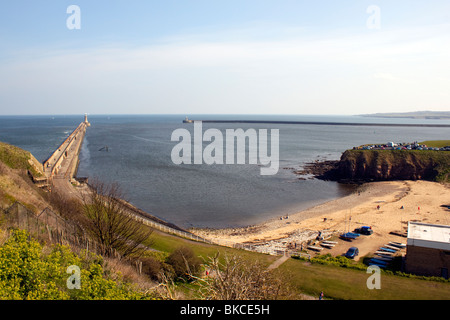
<point x="436" y="115"/>
<point x="322" y="123"/>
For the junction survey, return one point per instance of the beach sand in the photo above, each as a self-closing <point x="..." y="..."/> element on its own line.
<point x="349" y="212"/>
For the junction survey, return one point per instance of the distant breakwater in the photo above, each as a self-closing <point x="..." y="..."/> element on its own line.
<point x="325" y="123"/>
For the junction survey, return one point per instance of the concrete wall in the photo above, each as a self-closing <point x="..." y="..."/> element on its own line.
<point x="56" y="159"/>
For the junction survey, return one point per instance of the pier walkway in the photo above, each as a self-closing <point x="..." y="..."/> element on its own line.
<point x="63" y="162"/>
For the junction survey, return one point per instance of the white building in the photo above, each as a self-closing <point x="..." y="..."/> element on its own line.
<point x="428" y="249"/>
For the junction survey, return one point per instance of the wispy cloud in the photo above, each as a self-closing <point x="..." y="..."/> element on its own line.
<point x="284" y="74"/>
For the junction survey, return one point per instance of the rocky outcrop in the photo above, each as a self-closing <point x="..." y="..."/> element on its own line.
<point x="381" y="165"/>
<point x="375" y="165"/>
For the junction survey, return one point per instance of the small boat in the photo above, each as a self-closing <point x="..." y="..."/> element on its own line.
<point x="384" y="258"/>
<point x="387" y="249"/>
<point x="327" y="245"/>
<point x="354" y="234"/>
<point x="187" y="120"/>
<point x="330" y="242"/>
<point x="397" y="244"/>
<point x="391" y="247"/>
<point x="385" y="253"/>
<point x="315" y="248"/>
<point x="374" y="260"/>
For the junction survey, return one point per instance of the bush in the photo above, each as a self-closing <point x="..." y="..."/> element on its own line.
<point x="239" y="279"/>
<point x="184" y="263"/>
<point x="151" y="267"/>
<point x="26" y="273"/>
<point x="339" y="261"/>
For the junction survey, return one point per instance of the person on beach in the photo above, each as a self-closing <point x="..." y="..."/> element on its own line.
<point x="321" y="295"/>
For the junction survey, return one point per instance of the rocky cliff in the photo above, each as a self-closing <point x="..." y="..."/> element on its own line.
<point x="379" y="165"/>
<point x="375" y="165"/>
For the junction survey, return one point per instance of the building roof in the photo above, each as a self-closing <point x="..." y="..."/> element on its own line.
<point x="428" y="235"/>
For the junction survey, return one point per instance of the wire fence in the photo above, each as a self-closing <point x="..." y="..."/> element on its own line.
<point x="220" y="242"/>
<point x="160" y="225"/>
<point x="49" y="226"/>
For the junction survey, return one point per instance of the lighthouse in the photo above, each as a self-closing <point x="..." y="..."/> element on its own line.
<point x="86" y="120"/>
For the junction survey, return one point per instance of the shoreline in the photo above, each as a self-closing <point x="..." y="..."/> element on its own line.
<point x="421" y="200"/>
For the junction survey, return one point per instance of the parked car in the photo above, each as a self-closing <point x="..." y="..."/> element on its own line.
<point x="364" y="230"/>
<point x="352" y="252"/>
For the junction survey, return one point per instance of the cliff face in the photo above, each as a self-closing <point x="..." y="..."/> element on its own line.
<point x="375" y="165"/>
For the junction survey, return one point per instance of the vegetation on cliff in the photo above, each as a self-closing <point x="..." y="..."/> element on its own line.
<point x="394" y="165"/>
<point x="436" y="143"/>
<point x="17" y="158"/>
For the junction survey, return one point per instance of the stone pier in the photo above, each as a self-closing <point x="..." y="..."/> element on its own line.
<point x="63" y="163"/>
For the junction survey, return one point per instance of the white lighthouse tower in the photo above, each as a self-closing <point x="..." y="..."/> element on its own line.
<point x="86" y="120"/>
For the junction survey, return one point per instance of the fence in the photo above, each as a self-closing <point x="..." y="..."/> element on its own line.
<point x="143" y="217"/>
<point x="224" y="243"/>
<point x="51" y="227"/>
<point x="157" y="224"/>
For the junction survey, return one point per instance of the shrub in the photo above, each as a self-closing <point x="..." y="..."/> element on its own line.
<point x="184" y="263"/>
<point x="339" y="261"/>
<point x="26" y="272"/>
<point x="151" y="267"/>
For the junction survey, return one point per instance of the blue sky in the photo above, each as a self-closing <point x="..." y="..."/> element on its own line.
<point x="247" y="56"/>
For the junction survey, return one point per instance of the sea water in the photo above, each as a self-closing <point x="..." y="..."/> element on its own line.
<point x="135" y="152"/>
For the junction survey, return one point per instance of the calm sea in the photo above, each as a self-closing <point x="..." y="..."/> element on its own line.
<point x="139" y="159"/>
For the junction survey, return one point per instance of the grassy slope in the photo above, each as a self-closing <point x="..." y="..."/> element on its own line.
<point x="17" y="158"/>
<point x="343" y="283"/>
<point x="168" y="243"/>
<point x="15" y="185"/>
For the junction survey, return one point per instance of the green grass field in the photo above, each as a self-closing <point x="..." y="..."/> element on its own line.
<point x="348" y="284"/>
<point x="168" y="243"/>
<point x="436" y="143"/>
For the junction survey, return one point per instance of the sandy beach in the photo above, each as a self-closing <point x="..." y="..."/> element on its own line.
<point x="422" y="201"/>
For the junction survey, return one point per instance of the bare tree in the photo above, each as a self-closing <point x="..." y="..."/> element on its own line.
<point x="237" y="279"/>
<point x="111" y="224"/>
<point x="68" y="208"/>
